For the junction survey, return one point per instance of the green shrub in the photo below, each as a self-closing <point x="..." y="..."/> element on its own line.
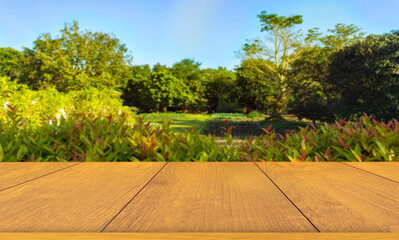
<point x="224" y="106"/>
<point x="39" y="107"/>
<point x="255" y="114"/>
<point x="115" y="138"/>
<point x="112" y="138"/>
<point x="366" y="140"/>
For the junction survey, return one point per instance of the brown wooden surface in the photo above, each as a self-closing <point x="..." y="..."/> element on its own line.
<point x="388" y="170"/>
<point x="14" y="173"/>
<point x="77" y="199"/>
<point x="210" y="197"/>
<point x="199" y="197"/>
<point x="339" y="198"/>
<point x="199" y="236"/>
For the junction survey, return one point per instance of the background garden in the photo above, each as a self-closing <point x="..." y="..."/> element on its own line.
<point x="295" y="97"/>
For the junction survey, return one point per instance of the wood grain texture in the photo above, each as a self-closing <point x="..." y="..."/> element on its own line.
<point x="210" y="197"/>
<point x="82" y="198"/>
<point x="199" y="236"/>
<point x="339" y="198"/>
<point x="388" y="170"/>
<point x="14" y="173"/>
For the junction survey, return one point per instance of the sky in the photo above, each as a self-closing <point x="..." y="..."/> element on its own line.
<point x="167" y="31"/>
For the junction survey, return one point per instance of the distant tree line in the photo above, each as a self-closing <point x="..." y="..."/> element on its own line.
<point x="341" y="74"/>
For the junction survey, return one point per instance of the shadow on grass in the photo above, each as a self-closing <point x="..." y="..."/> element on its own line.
<point x="184" y="122"/>
<point x="282" y="123"/>
<point x="179" y="122"/>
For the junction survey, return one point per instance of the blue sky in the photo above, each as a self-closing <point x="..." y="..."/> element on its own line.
<point x="166" y="31"/>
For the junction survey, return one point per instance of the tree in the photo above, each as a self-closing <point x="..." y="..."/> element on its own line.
<point x="140" y="73"/>
<point x="310" y="97"/>
<point x="364" y="78"/>
<point x="167" y="90"/>
<point x="342" y="35"/>
<point x="75" y="60"/>
<point x="307" y="85"/>
<point x="136" y="93"/>
<point x="277" y="57"/>
<point x="10" y="62"/>
<point x="221" y="86"/>
<point x="189" y="71"/>
<point x="258" y="89"/>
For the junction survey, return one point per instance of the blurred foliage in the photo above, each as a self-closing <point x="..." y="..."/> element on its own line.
<point x="310" y="93"/>
<point x="255" y="114"/>
<point x="114" y="138"/>
<point x="75" y="60"/>
<point x="38" y="107"/>
<point x="364" y="77"/>
<point x="190" y="73"/>
<point x="10" y="62"/>
<point x="366" y="140"/>
<point x="221" y="86"/>
<point x="111" y="138"/>
<point x="257" y="90"/>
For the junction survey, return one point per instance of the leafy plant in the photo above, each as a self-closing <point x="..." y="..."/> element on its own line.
<point x="39" y="107"/>
<point x="366" y="140"/>
<point x="111" y="138"/>
<point x="255" y="114"/>
<point x="115" y="138"/>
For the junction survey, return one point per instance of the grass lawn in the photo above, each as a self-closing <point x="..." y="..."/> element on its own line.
<point x="181" y="121"/>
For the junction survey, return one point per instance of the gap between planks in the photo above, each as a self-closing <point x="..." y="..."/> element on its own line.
<point x="287" y="197"/>
<point x="338" y="198"/>
<point x="211" y="197"/>
<point x="36" y="178"/>
<point x="109" y="222"/>
<point x="364" y="170"/>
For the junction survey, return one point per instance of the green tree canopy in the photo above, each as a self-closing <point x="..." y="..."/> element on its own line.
<point x="167" y="90"/>
<point x="220" y="86"/>
<point x="340" y="36"/>
<point x="257" y="90"/>
<point x="365" y="78"/>
<point x="136" y="93"/>
<point x="75" y="60"/>
<point x="310" y="97"/>
<point x="159" y="67"/>
<point x="307" y="80"/>
<point x="140" y="73"/>
<point x="189" y="71"/>
<point x="10" y="62"/>
<point x="276" y="56"/>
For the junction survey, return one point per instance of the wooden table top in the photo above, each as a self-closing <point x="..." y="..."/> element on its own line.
<point x="144" y="199"/>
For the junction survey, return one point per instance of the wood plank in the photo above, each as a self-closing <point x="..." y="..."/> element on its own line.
<point x="78" y="199"/>
<point x="388" y="170"/>
<point x="339" y="198"/>
<point x="199" y="236"/>
<point x="14" y="173"/>
<point x="210" y="197"/>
